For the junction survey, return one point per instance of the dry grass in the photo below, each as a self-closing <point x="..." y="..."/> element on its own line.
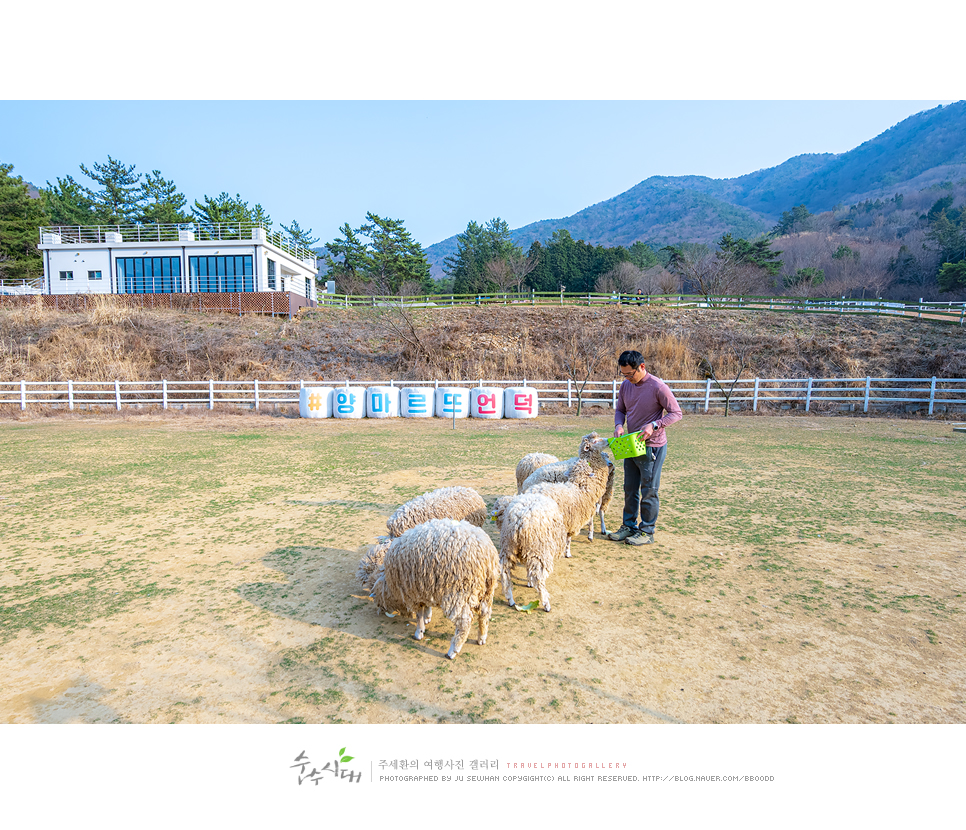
<point x="112" y="341"/>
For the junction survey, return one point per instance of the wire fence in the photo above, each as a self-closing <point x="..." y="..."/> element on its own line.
<point x="924" y="395"/>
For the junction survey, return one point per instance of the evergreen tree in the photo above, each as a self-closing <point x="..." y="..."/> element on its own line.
<point x="390" y="257"/>
<point x="302" y="237"/>
<point x="475" y="247"/>
<point x="233" y="213"/>
<point x="796" y="220"/>
<point x="642" y="255"/>
<point x="162" y="203"/>
<point x="395" y="257"/>
<point x="20" y="220"/>
<point x="118" y="200"/>
<point x="757" y="253"/>
<point x="67" y="204"/>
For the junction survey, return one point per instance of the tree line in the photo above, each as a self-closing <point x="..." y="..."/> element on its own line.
<point x="911" y="245"/>
<point x="119" y="196"/>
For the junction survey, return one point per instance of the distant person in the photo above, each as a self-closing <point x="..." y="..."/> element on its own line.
<point x="640" y="296"/>
<point x="645" y="404"/>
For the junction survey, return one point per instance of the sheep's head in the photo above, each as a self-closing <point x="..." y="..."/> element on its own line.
<point x="371" y="562"/>
<point x="592" y="443"/>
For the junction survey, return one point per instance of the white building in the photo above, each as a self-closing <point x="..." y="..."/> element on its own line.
<point x="175" y="259"/>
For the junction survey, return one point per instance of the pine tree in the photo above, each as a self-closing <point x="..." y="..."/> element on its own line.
<point x="67" y="204"/>
<point x="118" y="200"/>
<point x="162" y="203"/>
<point x="20" y="220"/>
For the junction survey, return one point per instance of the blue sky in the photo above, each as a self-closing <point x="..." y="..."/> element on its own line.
<point x="434" y="164"/>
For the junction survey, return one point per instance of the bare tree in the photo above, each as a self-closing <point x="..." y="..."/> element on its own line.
<point x="498" y="271"/>
<point x="583" y="349"/>
<point x="520" y="266"/>
<point x="717" y="274"/>
<point x="741" y="354"/>
<point x="621" y="279"/>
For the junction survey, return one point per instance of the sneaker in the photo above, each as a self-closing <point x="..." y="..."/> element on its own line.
<point x="640" y="539"/>
<point x="622" y="534"/>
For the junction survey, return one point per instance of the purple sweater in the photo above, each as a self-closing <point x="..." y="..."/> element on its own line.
<point x="638" y="404"/>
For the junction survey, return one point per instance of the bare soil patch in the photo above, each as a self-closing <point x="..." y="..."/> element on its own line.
<point x="162" y="569"/>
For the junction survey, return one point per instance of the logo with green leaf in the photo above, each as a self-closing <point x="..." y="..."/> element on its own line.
<point x="343" y="758"/>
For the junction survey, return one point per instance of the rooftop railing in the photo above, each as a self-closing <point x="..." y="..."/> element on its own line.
<point x="180" y="232"/>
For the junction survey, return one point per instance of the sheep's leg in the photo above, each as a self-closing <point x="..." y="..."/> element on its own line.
<point x="567" y="550"/>
<point x="600" y="512"/>
<point x="463" y="619"/>
<point x="544" y="596"/>
<point x="422" y="619"/>
<point x="507" y="584"/>
<point x="485" y="611"/>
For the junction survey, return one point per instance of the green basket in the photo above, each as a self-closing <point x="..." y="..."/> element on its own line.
<point x="628" y="446"/>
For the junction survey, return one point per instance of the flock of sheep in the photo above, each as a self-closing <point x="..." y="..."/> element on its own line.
<point x="437" y="554"/>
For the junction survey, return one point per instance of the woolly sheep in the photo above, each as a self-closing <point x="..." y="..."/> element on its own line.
<point x="532" y="534"/>
<point x="530" y="462"/>
<point x="450" y="564"/>
<point x="560" y="471"/>
<point x="578" y="498"/>
<point x="457" y="503"/>
<point x="370" y="563"/>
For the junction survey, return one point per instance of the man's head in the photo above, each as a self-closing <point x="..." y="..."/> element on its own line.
<point x="631" y="366"/>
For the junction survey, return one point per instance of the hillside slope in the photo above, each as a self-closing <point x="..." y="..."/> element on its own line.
<point x="497" y="343"/>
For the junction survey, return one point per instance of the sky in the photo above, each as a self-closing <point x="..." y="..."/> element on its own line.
<point x="434" y="164"/>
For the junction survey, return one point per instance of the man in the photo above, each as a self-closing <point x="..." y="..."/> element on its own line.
<point x="647" y="405"/>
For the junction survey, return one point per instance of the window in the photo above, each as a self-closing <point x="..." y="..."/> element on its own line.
<point x="149" y="275"/>
<point x="67" y="275"/>
<point x="271" y="275"/>
<point x="308" y="288"/>
<point x="216" y="274"/>
<point x="93" y="275"/>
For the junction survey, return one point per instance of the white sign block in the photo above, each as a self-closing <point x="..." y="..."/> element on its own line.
<point x="349" y="403"/>
<point x="520" y="402"/>
<point x="452" y="402"/>
<point x="416" y="402"/>
<point x="382" y="402"/>
<point x="315" y="402"/>
<point x="486" y="402"/>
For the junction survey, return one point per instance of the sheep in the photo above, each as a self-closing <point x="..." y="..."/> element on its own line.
<point x="530" y="462"/>
<point x="532" y="534"/>
<point x="370" y="563"/>
<point x="450" y="564"/>
<point x="578" y="497"/>
<point x="445" y="503"/>
<point x="560" y="471"/>
<point x="498" y="509"/>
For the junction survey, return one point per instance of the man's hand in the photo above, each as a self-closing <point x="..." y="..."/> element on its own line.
<point x="648" y="431"/>
<point x="618" y="431"/>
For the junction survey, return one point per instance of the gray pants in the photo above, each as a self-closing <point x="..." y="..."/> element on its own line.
<point x="642" y="478"/>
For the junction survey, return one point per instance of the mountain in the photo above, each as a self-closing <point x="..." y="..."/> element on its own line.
<point x="924" y="149"/>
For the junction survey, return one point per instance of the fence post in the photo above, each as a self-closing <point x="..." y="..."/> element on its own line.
<point x="569" y="401"/>
<point x="117" y="394"/>
<point x="962" y="314"/>
<point x="707" y="395"/>
<point x="868" y="387"/>
<point x="70" y="394"/>
<point x="808" y="395"/>
<point x="754" y="405"/>
<point x="919" y="315"/>
<point x="211" y="393"/>
<point x="23" y="395"/>
<point x="932" y="395"/>
<point x="164" y="393"/>
<point x="613" y="394"/>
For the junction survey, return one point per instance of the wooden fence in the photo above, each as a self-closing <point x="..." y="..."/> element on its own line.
<point x="924" y="395"/>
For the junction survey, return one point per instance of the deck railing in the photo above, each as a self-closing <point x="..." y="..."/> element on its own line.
<point x="176" y="233"/>
<point x="924" y="395"/>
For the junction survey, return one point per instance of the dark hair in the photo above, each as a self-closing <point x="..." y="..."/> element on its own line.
<point x="631" y="358"/>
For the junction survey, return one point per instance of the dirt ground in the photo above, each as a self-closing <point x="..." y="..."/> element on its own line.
<point x="252" y="614"/>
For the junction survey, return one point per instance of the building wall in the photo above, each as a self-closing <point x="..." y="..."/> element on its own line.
<point x="79" y="260"/>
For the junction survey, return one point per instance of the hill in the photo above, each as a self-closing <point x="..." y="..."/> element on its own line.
<point x="921" y="151"/>
<point x="496" y="342"/>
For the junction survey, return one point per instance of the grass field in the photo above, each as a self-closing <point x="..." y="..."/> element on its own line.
<point x="200" y="568"/>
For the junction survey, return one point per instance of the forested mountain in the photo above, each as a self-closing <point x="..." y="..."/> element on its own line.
<point x="923" y="150"/>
